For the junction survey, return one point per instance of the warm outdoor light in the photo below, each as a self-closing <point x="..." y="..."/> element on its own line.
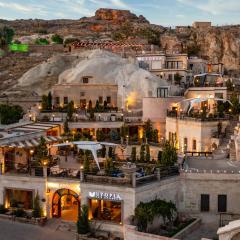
<point x="31" y="151"/>
<point x="44" y="162"/>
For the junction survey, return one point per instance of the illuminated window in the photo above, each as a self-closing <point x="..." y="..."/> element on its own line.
<point x="194" y="146"/>
<point x="105" y="210"/>
<point x="65" y="100"/>
<point x="57" y="100"/>
<point x="108" y="99"/>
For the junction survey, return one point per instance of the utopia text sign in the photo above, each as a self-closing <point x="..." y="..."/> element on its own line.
<point x="106" y="196"/>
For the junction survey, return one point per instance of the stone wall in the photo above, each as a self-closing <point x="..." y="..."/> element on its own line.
<point x="130" y="233"/>
<point x="192" y="185"/>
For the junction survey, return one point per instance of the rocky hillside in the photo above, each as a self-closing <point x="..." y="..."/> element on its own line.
<point x="102" y="25"/>
<point x="216" y="44"/>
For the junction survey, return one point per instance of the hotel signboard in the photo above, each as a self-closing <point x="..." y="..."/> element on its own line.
<point x="105" y="196"/>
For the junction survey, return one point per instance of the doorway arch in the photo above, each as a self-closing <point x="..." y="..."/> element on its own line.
<point x="65" y="204"/>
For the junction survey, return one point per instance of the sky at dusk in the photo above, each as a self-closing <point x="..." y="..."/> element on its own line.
<point x="162" y="12"/>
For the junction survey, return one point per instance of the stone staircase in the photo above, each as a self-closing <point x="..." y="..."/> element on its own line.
<point x="227" y="146"/>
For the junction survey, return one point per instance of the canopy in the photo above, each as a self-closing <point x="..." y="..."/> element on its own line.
<point x="85" y="145"/>
<point x="199" y="100"/>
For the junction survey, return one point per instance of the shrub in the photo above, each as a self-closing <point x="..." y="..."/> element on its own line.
<point x="3" y="210"/>
<point x="142" y="153"/>
<point x="83" y="222"/>
<point x="57" y="39"/>
<point x="19" y="212"/>
<point x="37" y="210"/>
<point x="169" y="155"/>
<point x="148" y="156"/>
<point x="146" y="212"/>
<point x="134" y="154"/>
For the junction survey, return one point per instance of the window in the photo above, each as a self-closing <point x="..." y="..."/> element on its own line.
<point x="57" y="100"/>
<point x="82" y="94"/>
<point x="162" y="92"/>
<point x="85" y="79"/>
<point x="170" y="77"/>
<point x="108" y="99"/>
<point x="65" y="100"/>
<point x="204" y="202"/>
<point x="185" y="144"/>
<point x="194" y="145"/>
<point x="105" y="210"/>
<point x="222" y="203"/>
<point x="219" y="95"/>
<point x="100" y="99"/>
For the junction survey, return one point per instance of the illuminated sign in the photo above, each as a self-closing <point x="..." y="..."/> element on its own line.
<point x="105" y="196"/>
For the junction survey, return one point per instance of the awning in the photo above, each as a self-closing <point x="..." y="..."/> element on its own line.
<point x="34" y="142"/>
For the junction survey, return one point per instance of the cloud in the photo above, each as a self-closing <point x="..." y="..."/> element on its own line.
<point x="214" y="7"/>
<point x="16" y="6"/>
<point x="119" y="3"/>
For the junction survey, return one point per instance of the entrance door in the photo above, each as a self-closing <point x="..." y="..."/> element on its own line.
<point x="83" y="103"/>
<point x="65" y="205"/>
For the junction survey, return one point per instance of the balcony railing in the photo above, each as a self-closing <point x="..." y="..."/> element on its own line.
<point x="197" y="116"/>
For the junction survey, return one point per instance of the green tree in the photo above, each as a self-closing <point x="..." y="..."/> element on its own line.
<point x="70" y="110"/>
<point x="44" y="102"/>
<point x="83" y="226"/>
<point x="42" y="150"/>
<point x="103" y="152"/>
<point x="97" y="107"/>
<point x="134" y="154"/>
<point x="100" y="135"/>
<point x="235" y="104"/>
<point x="57" y="39"/>
<point x="155" y="136"/>
<point x="49" y="101"/>
<point x="177" y="78"/>
<point x="148" y="156"/>
<point x="108" y="166"/>
<point x="10" y="114"/>
<point x="110" y="152"/>
<point x="159" y="157"/>
<point x="86" y="163"/>
<point x="229" y="85"/>
<point x="169" y="155"/>
<point x="37" y="210"/>
<point x="148" y="129"/>
<point x="41" y="41"/>
<point x="6" y="36"/>
<point x="193" y="49"/>
<point x="66" y="127"/>
<point x="90" y="105"/>
<point x="142" y="153"/>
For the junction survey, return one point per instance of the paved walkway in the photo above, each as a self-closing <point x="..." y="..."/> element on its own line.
<point x="204" y="231"/>
<point x="19" y="231"/>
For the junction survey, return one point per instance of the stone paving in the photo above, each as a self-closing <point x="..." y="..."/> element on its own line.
<point x="204" y="231"/>
<point x="19" y="231"/>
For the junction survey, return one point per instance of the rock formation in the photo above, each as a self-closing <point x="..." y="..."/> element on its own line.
<point x="104" y="67"/>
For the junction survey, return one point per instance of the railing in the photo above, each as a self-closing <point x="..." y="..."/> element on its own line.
<point x="197" y="117"/>
<point x="108" y="180"/>
<point x="198" y="154"/>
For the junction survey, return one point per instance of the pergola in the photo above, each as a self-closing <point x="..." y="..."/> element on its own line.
<point x="88" y="145"/>
<point x="192" y="101"/>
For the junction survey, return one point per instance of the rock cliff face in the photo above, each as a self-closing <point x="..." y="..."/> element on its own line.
<point x="216" y="44"/>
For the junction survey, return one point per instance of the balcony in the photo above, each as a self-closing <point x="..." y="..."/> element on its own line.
<point x="122" y="174"/>
<point x="198" y="116"/>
